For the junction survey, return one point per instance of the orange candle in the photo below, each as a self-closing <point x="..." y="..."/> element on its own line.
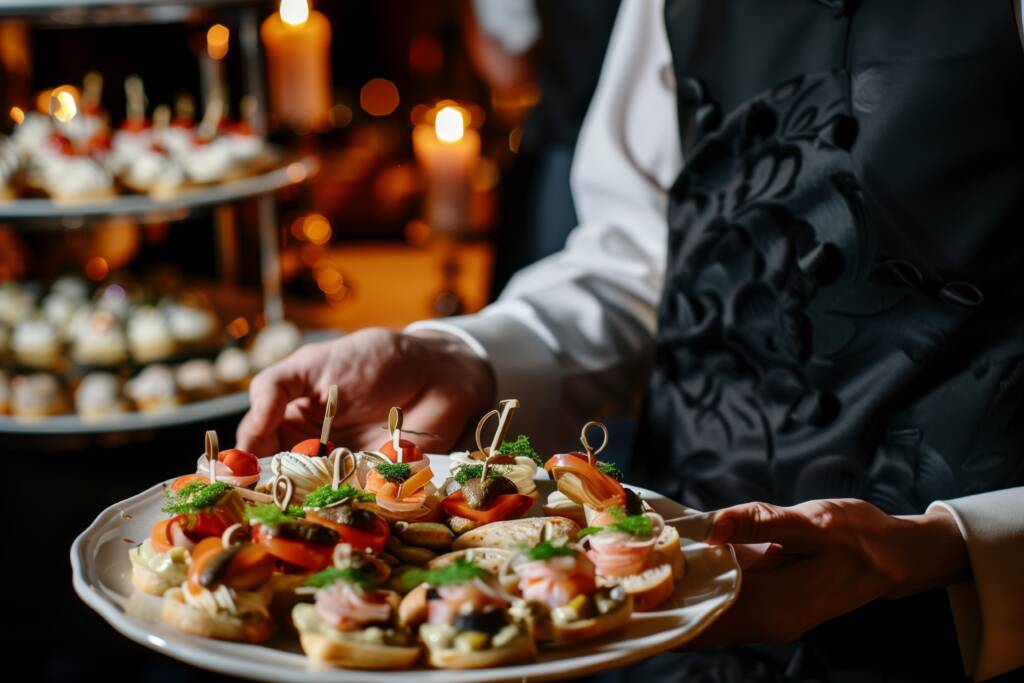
<point x="448" y="154"/>
<point x="298" y="40"/>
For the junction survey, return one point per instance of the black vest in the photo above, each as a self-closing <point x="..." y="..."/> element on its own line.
<point x="843" y="309"/>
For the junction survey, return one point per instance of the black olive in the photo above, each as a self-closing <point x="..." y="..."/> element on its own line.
<point x="488" y="622"/>
<point x="215" y="568"/>
<point x="634" y="506"/>
<point x="304" y="531"/>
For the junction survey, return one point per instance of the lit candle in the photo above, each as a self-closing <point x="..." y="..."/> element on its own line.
<point x="297" y="40"/>
<point x="448" y="154"/>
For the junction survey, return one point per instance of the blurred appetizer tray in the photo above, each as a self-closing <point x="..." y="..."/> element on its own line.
<point x="102" y="578"/>
<point x="71" y="424"/>
<point x="42" y="214"/>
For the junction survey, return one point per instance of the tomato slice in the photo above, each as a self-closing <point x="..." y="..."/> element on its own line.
<point x="410" y="451"/>
<point x="209" y="524"/>
<point x="160" y="536"/>
<point x="297" y="553"/>
<point x="583" y="483"/>
<point x="312" y="448"/>
<point x="375" y="537"/>
<point x="241" y="463"/>
<point x="182" y="482"/>
<point x="507" y="506"/>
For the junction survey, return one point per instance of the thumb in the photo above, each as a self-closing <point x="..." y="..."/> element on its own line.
<point x="269" y="394"/>
<point x="762" y="523"/>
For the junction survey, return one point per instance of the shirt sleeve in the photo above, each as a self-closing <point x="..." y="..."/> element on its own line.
<point x="989" y="610"/>
<point x="571" y="336"/>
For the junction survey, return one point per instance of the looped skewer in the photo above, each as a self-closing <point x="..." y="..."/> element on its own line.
<point x="395" y="430"/>
<point x="229" y="534"/>
<point x="507" y="408"/>
<point x="480" y="430"/>
<point x="338" y="457"/>
<point x="212" y="452"/>
<point x="329" y="412"/>
<point x="591" y="453"/>
<point x="282" y="490"/>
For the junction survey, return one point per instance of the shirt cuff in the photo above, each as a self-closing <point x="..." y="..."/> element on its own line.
<point x="524" y="368"/>
<point x="989" y="611"/>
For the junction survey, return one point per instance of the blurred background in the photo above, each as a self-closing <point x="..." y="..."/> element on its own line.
<point x="241" y="177"/>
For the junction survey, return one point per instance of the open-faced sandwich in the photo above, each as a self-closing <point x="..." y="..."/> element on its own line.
<point x="465" y="619"/>
<point x="558" y="582"/>
<point x="399" y="475"/>
<point x="342" y="510"/>
<point x="353" y="621"/>
<point x="586" y="485"/>
<point x="226" y="594"/>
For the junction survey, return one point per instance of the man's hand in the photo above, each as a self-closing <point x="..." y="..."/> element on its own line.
<point x="815" y="561"/>
<point x="439" y="383"/>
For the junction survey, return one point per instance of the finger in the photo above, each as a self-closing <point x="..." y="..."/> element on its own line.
<point x="269" y="395"/>
<point x="763" y="523"/>
<point x="437" y="413"/>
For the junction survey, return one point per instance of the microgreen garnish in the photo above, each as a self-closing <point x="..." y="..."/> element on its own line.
<point x="546" y="550"/>
<point x="467" y="472"/>
<point x="635" y="525"/>
<point x="271" y="514"/>
<point x="359" y="576"/>
<point x="521" y="446"/>
<point x="194" y="497"/>
<point x="611" y="469"/>
<point x="459" y="571"/>
<point x="395" y="472"/>
<point x="325" y="495"/>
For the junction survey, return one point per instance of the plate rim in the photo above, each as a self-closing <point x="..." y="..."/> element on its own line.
<point x="235" y="665"/>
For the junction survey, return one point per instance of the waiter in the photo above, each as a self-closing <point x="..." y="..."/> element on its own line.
<point x="825" y="300"/>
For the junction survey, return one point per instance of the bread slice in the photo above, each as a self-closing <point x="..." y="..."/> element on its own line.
<point x="513" y="533"/>
<point x="322" y="643"/>
<point x="491" y="559"/>
<point x="649" y="588"/>
<point x="585" y="629"/>
<point x="250" y="627"/>
<point x="523" y="648"/>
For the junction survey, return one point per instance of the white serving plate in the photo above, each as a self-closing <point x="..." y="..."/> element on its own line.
<point x="102" y="578"/>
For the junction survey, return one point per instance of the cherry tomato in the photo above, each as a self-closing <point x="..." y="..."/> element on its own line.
<point x="410" y="451"/>
<point x="241" y="463"/>
<point x="312" y="448"/>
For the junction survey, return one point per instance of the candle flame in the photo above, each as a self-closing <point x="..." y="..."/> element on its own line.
<point x="17" y="115"/>
<point x="294" y="12"/>
<point x="448" y="125"/>
<point x="63" y="105"/>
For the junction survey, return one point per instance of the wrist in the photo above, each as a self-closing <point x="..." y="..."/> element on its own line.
<point x="933" y="551"/>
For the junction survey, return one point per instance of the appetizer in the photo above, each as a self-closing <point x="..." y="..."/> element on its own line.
<point x="226" y="594"/>
<point x="199" y="509"/>
<point x="625" y="550"/>
<point x="559" y="584"/>
<point x="299" y="544"/>
<point x="486" y="498"/>
<point x="341" y="509"/>
<point x="233" y="466"/>
<point x="399" y="475"/>
<point x="585" y="484"/>
<point x="353" y="621"/>
<point x="516" y="460"/>
<point x="464" y="619"/>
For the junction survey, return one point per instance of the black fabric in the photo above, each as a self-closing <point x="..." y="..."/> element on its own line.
<point x="842" y="309"/>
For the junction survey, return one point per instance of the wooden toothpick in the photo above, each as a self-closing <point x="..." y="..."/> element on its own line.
<point x="508" y="407"/>
<point x="282" y="490"/>
<point x="329" y="413"/>
<point x="591" y="453"/>
<point x="395" y="429"/>
<point x="338" y="457"/>
<point x="212" y="452"/>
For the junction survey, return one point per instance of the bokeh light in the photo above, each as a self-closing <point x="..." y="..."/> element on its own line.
<point x="379" y="97"/>
<point x="217" y="39"/>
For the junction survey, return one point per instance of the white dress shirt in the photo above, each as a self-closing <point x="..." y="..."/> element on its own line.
<point x="571" y="336"/>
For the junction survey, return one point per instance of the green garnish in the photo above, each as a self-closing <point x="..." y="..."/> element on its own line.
<point x="611" y="469"/>
<point x="271" y="514"/>
<point x="359" y="576"/>
<point x="467" y="472"/>
<point x="635" y="525"/>
<point x="459" y="571"/>
<point x="396" y="472"/>
<point x="521" y="446"/>
<point x="325" y="495"/>
<point x="194" y="497"/>
<point x="546" y="550"/>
